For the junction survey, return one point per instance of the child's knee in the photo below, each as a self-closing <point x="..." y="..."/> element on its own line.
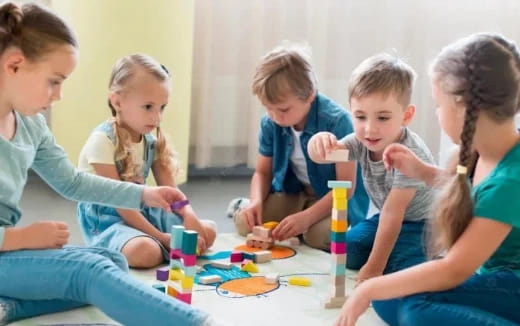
<point x="142" y="252"/>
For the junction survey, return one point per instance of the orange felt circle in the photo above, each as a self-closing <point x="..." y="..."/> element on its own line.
<point x="249" y="286"/>
<point x="278" y="252"/>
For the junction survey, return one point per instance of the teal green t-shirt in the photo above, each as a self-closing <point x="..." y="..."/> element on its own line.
<point x="497" y="197"/>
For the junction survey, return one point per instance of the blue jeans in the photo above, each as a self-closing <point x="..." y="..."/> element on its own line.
<point x="408" y="249"/>
<point x="35" y="282"/>
<point x="490" y="299"/>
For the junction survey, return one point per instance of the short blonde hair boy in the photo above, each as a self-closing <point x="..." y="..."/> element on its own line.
<point x="284" y="71"/>
<point x="382" y="73"/>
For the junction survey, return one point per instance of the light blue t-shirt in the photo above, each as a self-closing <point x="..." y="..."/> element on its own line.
<point x="33" y="146"/>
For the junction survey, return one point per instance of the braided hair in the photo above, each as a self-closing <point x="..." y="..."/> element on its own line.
<point x="483" y="70"/>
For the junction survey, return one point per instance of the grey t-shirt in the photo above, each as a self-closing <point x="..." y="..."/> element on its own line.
<point x="378" y="181"/>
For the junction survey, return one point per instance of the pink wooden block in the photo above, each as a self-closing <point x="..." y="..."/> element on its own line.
<point x="236" y="257"/>
<point x="190" y="260"/>
<point x="338" y="247"/>
<point x="175" y="254"/>
<point x="186" y="297"/>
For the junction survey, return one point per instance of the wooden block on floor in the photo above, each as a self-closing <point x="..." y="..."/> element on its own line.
<point x="272" y="278"/>
<point x="263" y="256"/>
<point x="210" y="279"/>
<point x="221" y="265"/>
<point x="334" y="302"/>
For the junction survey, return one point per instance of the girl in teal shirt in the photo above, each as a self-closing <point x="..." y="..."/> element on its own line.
<point x="476" y="229"/>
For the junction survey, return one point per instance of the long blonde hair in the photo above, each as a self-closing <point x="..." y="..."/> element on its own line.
<point x="483" y="72"/>
<point x="123" y="71"/>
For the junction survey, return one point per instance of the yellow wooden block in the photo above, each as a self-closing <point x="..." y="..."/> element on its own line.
<point x="300" y="281"/>
<point x="339" y="203"/>
<point x="176" y="274"/>
<point x="339" y="193"/>
<point x="187" y="283"/>
<point x="338" y="225"/>
<point x="270" y="225"/>
<point x="250" y="267"/>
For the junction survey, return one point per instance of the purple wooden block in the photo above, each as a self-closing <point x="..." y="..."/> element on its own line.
<point x="162" y="274"/>
<point x="179" y="204"/>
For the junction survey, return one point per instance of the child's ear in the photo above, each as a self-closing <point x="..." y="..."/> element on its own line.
<point x="311" y="97"/>
<point x="115" y="100"/>
<point x="409" y="112"/>
<point x="13" y="61"/>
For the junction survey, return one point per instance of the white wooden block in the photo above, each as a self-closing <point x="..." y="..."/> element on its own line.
<point x="263" y="256"/>
<point x="209" y="279"/>
<point x="221" y="265"/>
<point x="339" y="155"/>
<point x="272" y="278"/>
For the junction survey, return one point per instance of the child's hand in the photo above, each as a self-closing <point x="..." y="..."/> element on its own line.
<point x="253" y="214"/>
<point x="355" y="306"/>
<point x="162" y="196"/>
<point x="400" y="157"/>
<point x="44" y="235"/>
<point x="322" y="143"/>
<point x="367" y="272"/>
<point x="291" y="226"/>
<point x="201" y="244"/>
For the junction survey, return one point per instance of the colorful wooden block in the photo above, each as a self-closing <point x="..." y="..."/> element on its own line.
<point x="338" y="155"/>
<point x="236" y="257"/>
<point x="250" y="267"/>
<point x="338" y="236"/>
<point x="162" y="273"/>
<point x="339" y="203"/>
<point x="187" y="283"/>
<point x="190" y="270"/>
<point x="189" y="260"/>
<point x="338" y="225"/>
<point x="176" y="237"/>
<point x="339" y="259"/>
<point x="161" y="287"/>
<point x="185" y="297"/>
<point x="339" y="214"/>
<point x="339" y="184"/>
<point x="262" y="231"/>
<point x="176" y="274"/>
<point x="210" y="279"/>
<point x="263" y="256"/>
<point x="299" y="281"/>
<point x="272" y="278"/>
<point x="339" y="193"/>
<point x="334" y="302"/>
<point x="270" y="225"/>
<point x="338" y="247"/>
<point x="189" y="242"/>
<point x="221" y="265"/>
<point x="338" y="270"/>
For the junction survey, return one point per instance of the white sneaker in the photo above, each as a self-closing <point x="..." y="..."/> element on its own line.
<point x="235" y="205"/>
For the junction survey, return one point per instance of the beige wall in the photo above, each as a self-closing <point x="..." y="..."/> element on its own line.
<point x="107" y="30"/>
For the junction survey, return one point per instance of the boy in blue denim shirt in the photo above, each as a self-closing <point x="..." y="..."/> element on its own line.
<point x="287" y="186"/>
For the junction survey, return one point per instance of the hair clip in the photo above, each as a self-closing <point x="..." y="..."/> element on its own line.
<point x="462" y="169"/>
<point x="165" y="69"/>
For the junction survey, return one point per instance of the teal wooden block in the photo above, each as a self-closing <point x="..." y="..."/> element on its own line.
<point x="338" y="269"/>
<point x="338" y="236"/>
<point x="176" y="237"/>
<point x="189" y="242"/>
<point x="339" y="184"/>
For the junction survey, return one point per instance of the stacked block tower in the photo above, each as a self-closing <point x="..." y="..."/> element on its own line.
<point x="183" y="259"/>
<point x="338" y="243"/>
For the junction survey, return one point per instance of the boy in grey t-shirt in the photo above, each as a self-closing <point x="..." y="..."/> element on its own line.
<point x="379" y="95"/>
